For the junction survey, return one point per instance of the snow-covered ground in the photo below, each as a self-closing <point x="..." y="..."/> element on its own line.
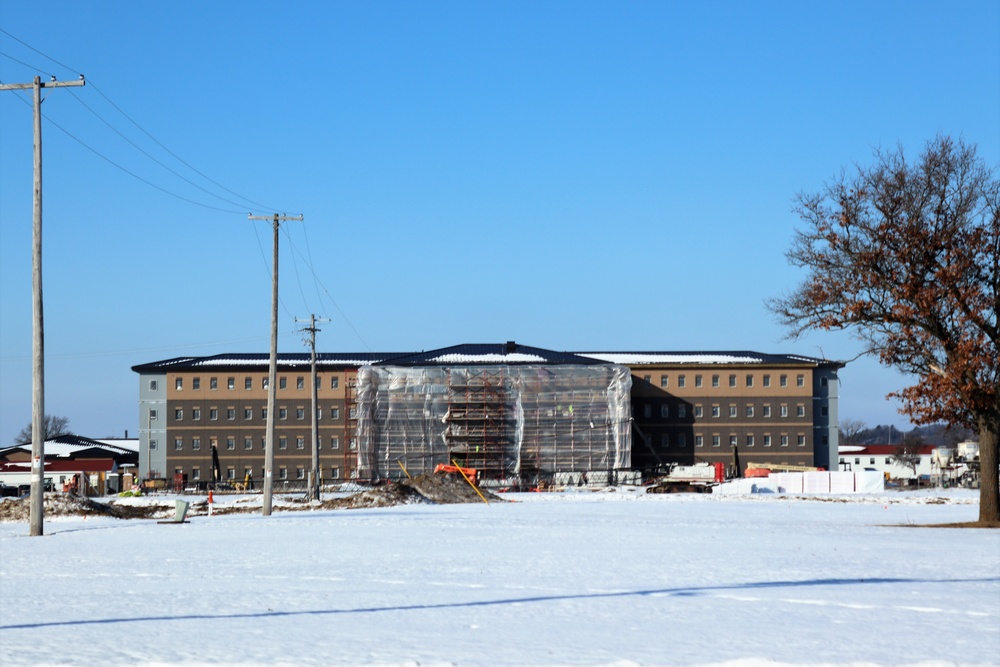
<point x="577" y="578"/>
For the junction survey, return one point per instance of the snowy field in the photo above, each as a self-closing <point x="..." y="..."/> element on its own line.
<point x="580" y="578"/>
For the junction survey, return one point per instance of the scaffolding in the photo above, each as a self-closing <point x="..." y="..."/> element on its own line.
<point x="512" y="423"/>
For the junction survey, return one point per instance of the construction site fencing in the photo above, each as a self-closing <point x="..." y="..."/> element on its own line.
<point x="514" y="423"/>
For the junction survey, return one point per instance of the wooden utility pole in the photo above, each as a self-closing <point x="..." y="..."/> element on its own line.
<point x="314" y="485"/>
<point x="37" y="503"/>
<point x="272" y="372"/>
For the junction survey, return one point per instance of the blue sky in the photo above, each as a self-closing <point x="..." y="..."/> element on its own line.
<point x="570" y="175"/>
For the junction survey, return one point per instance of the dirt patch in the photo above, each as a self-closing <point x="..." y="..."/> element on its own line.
<point x="967" y="524"/>
<point x="64" y="504"/>
<point x="439" y="489"/>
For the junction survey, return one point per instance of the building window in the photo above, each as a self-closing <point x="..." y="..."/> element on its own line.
<point x="263" y="413"/>
<point x="784" y="440"/>
<point x="178" y="444"/>
<point x="732" y="411"/>
<point x="824" y="411"/>
<point x="716" y="441"/>
<point x="749" y="441"/>
<point x="681" y="411"/>
<point x="334" y="442"/>
<point x="699" y="441"/>
<point x="196" y="383"/>
<point x="230" y="443"/>
<point x="282" y="413"/>
<point x="300" y="413"/>
<point x="767" y="381"/>
<point x="800" y="440"/>
<point x="647" y="411"/>
<point x="767" y="411"/>
<point x="681" y="381"/>
<point x="230" y="473"/>
<point x="300" y="383"/>
<point x="265" y="382"/>
<point x="152" y="444"/>
<point x="698" y="412"/>
<point x="800" y="380"/>
<point x="300" y="442"/>
<point x="213" y="414"/>
<point x="152" y="415"/>
<point x="282" y="472"/>
<point x="783" y="411"/>
<point x="681" y="440"/>
<point x="353" y="412"/>
<point x="749" y="411"/>
<point x="196" y="413"/>
<point x="697" y="380"/>
<point x="213" y="383"/>
<point x="732" y="380"/>
<point x="334" y="382"/>
<point x="664" y="381"/>
<point x="665" y="440"/>
<point x="716" y="411"/>
<point x="152" y="385"/>
<point x="196" y="443"/>
<point x="247" y="443"/>
<point x="823" y="382"/>
<point x="300" y="472"/>
<point x="335" y="413"/>
<point x="178" y="414"/>
<point x="195" y="473"/>
<point x="749" y="380"/>
<point x="767" y="441"/>
<point x="263" y="442"/>
<point x="282" y="382"/>
<point x="248" y="384"/>
<point x="715" y="380"/>
<point x="231" y="414"/>
<point x="888" y="460"/>
<point x="179" y="384"/>
<point x="353" y="442"/>
<point x="664" y="411"/>
<point x="782" y="380"/>
<point x="334" y="473"/>
<point x="248" y="413"/>
<point x="282" y="442"/>
<point x="732" y="441"/>
<point x="230" y="383"/>
<point x="319" y="414"/>
<point x="800" y="411"/>
<point x="647" y="378"/>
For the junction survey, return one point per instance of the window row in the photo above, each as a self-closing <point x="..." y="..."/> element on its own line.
<point x="248" y="382"/>
<point x="248" y="473"/>
<point x="716" y="440"/>
<point x="733" y="380"/>
<point x="194" y="443"/>
<point x="716" y="411"/>
<point x="333" y="413"/>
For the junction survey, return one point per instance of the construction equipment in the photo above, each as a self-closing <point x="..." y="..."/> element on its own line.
<point x="783" y="467"/>
<point x="699" y="478"/>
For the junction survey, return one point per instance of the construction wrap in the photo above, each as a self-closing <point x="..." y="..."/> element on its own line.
<point x="522" y="423"/>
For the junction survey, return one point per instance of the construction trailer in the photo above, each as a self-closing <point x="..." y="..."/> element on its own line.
<point x="517" y="425"/>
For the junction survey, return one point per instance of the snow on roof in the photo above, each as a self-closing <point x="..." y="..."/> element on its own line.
<point x="639" y="358"/>
<point x="514" y="358"/>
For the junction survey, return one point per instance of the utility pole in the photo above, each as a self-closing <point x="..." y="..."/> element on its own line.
<point x="272" y="373"/>
<point x="314" y="484"/>
<point x="36" y="507"/>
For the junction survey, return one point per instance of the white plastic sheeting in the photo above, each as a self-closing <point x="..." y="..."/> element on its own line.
<point x="510" y="422"/>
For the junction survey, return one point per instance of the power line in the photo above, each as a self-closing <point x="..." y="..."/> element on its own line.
<point x="258" y="205"/>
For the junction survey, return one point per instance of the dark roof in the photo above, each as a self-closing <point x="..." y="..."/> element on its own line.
<point x="509" y="353"/>
<point x="242" y="361"/>
<point x="476" y="354"/>
<point x="73" y="446"/>
<point x="667" y="357"/>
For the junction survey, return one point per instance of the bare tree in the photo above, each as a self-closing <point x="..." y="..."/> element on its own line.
<point x="52" y="426"/>
<point x="907" y="256"/>
<point x="907" y="453"/>
<point x="850" y="429"/>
